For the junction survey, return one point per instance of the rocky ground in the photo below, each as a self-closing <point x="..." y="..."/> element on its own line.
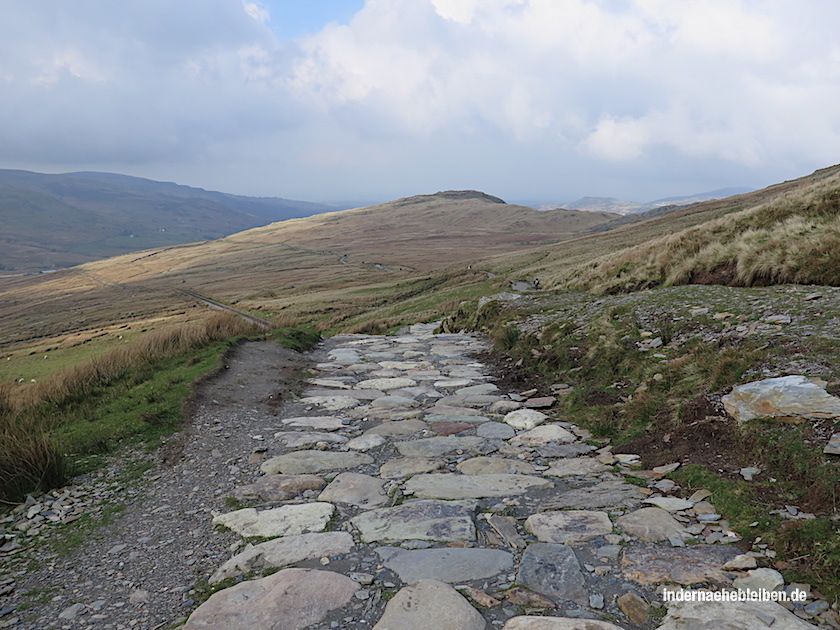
<point x="403" y="490"/>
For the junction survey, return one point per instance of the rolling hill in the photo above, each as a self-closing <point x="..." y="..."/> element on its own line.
<point x="53" y="221"/>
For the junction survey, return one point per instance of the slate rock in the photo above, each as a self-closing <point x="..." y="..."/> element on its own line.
<point x="385" y="384"/>
<point x="554" y="571"/>
<point x="576" y="466"/>
<point x="545" y="434"/>
<point x="449" y="564"/>
<point x="453" y="486"/>
<point x="607" y="494"/>
<point x="731" y="616"/>
<point x="304" y="462"/>
<point x="444" y="444"/>
<point x="430" y="604"/>
<point x="356" y="489"/>
<point x="398" y="428"/>
<point x="495" y="431"/>
<point x="287" y="520"/>
<point x="649" y="564"/>
<point x="278" y="487"/>
<point x="285" y="551"/>
<point x="324" y="423"/>
<point x="525" y="419"/>
<point x="441" y="521"/>
<point x="291" y="599"/>
<point x="407" y="466"/>
<point x="651" y="524"/>
<point x="495" y="465"/>
<point x="786" y="396"/>
<point x="568" y="526"/>
<point x="307" y="439"/>
<point x="366" y="442"/>
<point x="557" y="623"/>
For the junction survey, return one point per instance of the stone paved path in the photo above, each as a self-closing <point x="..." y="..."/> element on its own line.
<point x="405" y="490"/>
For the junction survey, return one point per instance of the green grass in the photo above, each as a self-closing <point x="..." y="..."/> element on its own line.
<point x="66" y="425"/>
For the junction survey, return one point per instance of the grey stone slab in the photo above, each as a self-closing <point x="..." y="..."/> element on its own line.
<point x="568" y="526"/>
<point x="449" y="564"/>
<point x="398" y="428"/>
<point x="651" y="524"/>
<point x="651" y="564"/>
<point x="407" y="466"/>
<point x="607" y="494"/>
<point x="283" y="552"/>
<point x="441" y="521"/>
<point x="356" y="489"/>
<point x="494" y="466"/>
<point x="291" y="599"/>
<point x="430" y="604"/>
<point x="287" y="520"/>
<point x="495" y="431"/>
<point x="454" y="486"/>
<point x="302" y="462"/>
<point x="554" y="571"/>
<point x="442" y="445"/>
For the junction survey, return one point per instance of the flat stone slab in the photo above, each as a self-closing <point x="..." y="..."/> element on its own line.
<point x="495" y="466"/>
<point x="543" y="402"/>
<point x="554" y="571"/>
<point x="672" y="504"/>
<point x="477" y="390"/>
<point x="277" y="487"/>
<point x="568" y="526"/>
<point x="448" y="417"/>
<point x="322" y="423"/>
<point x="525" y="419"/>
<point x="448" y="383"/>
<point x="576" y="466"/>
<point x="356" y="489"/>
<point x="545" y="434"/>
<point x="291" y="599"/>
<point x="651" y="524"/>
<point x="430" y="604"/>
<point x="442" y="445"/>
<point x="783" y="397"/>
<point x="358" y="394"/>
<point x="305" y="439"/>
<point x="450" y="564"/>
<point x="408" y="466"/>
<point x="366" y="442"/>
<point x="451" y="428"/>
<point x="302" y="462"/>
<point x="331" y="403"/>
<point x="453" y="486"/>
<point x="833" y="446"/>
<point x="394" y="402"/>
<point x="724" y="615"/>
<point x="283" y="552"/>
<point x="495" y="431"/>
<point x="441" y="521"/>
<point x="607" y="494"/>
<point x="399" y="428"/>
<point x="287" y="520"/>
<point x="649" y="564"/>
<point x="385" y="384"/>
<point x="557" y="623"/>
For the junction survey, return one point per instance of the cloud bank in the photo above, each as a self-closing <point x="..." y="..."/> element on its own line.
<point x="535" y="99"/>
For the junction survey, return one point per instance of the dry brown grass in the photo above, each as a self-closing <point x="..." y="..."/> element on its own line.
<point x="29" y="459"/>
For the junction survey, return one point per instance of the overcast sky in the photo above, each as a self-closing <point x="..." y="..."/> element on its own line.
<point x="530" y="100"/>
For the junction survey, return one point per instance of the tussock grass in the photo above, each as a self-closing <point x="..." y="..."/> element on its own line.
<point x="142" y="383"/>
<point x="790" y="238"/>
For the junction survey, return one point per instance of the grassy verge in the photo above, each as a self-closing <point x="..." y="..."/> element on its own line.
<point x="64" y="424"/>
<point x="662" y="400"/>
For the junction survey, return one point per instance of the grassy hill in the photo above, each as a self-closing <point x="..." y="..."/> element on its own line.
<point x="52" y="221"/>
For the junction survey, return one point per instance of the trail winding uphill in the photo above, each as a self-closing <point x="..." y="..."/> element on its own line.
<point x="403" y="490"/>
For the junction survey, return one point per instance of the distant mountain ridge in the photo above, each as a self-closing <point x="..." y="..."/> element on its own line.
<point x="618" y="206"/>
<point x="61" y="220"/>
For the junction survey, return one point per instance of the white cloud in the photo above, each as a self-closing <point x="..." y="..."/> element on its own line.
<point x="424" y="91"/>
